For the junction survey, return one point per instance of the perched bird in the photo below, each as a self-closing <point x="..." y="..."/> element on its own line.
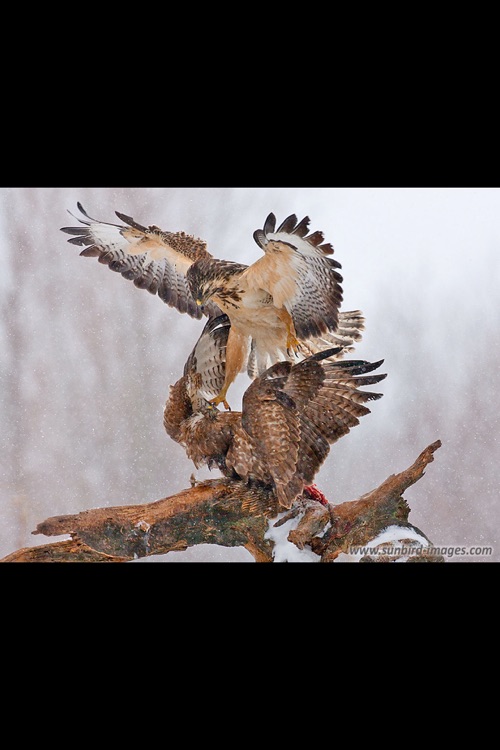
<point x="291" y="414"/>
<point x="283" y="307"/>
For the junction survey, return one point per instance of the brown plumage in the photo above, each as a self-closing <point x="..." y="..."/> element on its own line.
<point x="283" y="307"/>
<point x="291" y="415"/>
<point x="188" y="417"/>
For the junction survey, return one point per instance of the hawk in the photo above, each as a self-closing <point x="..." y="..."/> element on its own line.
<point x="291" y="414"/>
<point x="283" y="307"/>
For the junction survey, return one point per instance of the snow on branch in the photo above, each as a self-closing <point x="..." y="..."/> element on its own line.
<point x="229" y="513"/>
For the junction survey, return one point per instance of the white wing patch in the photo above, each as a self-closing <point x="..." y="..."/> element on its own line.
<point x="293" y="242"/>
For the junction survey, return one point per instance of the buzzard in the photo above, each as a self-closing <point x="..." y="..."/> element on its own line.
<point x="291" y="414"/>
<point x="283" y="307"/>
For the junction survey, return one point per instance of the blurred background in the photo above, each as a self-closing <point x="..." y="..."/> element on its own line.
<point x="87" y="358"/>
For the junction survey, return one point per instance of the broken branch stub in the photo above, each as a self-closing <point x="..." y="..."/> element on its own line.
<point x="228" y="513"/>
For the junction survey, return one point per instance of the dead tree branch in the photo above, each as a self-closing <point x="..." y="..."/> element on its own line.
<point x="231" y="514"/>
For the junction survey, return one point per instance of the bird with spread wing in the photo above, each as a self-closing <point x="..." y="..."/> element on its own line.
<point x="291" y="414"/>
<point x="283" y="307"/>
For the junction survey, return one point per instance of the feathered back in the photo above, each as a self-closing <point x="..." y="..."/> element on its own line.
<point x="292" y="414"/>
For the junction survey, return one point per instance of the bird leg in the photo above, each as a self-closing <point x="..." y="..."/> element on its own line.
<point x="237" y="349"/>
<point x="293" y="346"/>
<point x="221" y="399"/>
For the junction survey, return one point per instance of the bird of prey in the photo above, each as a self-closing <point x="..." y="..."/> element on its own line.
<point x="283" y="307"/>
<point x="291" y="414"/>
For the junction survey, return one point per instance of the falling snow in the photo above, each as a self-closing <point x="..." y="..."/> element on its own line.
<point x="88" y="359"/>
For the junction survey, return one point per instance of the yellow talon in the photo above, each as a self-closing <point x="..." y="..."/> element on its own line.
<point x="220" y="399"/>
<point x="292" y="345"/>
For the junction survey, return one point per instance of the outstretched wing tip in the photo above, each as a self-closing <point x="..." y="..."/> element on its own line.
<point x="260" y="235"/>
<point x="291" y="226"/>
<point x="270" y="223"/>
<point x="130" y="221"/>
<point x="260" y="238"/>
<point x="160" y="272"/>
<point x="78" y="218"/>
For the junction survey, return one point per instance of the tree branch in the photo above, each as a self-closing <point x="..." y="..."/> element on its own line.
<point x="228" y="513"/>
<point x="359" y="522"/>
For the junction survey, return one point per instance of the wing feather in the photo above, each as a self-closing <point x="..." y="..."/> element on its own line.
<point x="291" y="414"/>
<point x="329" y="403"/>
<point x="289" y="224"/>
<point x="205" y="433"/>
<point x="153" y="259"/>
<point x="206" y="365"/>
<point x="300" y="275"/>
<point x="269" y="224"/>
<point x="271" y="422"/>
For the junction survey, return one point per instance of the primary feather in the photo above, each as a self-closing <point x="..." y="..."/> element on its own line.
<point x="291" y="414"/>
<point x="283" y="307"/>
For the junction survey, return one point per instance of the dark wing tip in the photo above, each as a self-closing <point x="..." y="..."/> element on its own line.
<point x="260" y="235"/>
<point x="270" y="224"/>
<point x="289" y="224"/>
<point x="81" y="240"/>
<point x="87" y="221"/>
<point x="130" y="221"/>
<point x="302" y="227"/>
<point x="260" y="238"/>
<point x="326" y="354"/>
<point x="72" y="230"/>
<point x="81" y="209"/>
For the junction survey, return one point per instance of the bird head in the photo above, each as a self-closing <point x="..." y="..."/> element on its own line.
<point x="208" y="277"/>
<point x="201" y="280"/>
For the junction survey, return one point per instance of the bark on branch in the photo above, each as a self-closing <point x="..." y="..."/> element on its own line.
<point x="231" y="514"/>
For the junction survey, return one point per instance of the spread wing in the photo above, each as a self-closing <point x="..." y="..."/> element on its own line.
<point x="329" y="403"/>
<point x="153" y="259"/>
<point x="205" y="433"/>
<point x="293" y="413"/>
<point x="299" y="274"/>
<point x="205" y="368"/>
